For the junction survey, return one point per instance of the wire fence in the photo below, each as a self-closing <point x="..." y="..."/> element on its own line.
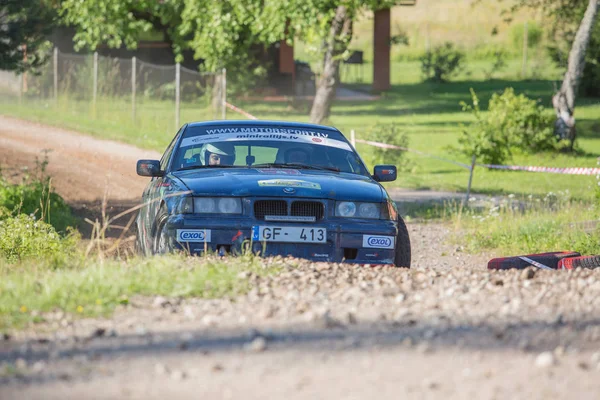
<point x="109" y="86"/>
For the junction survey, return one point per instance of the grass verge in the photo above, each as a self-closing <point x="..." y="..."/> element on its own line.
<point x="524" y="227"/>
<point x="28" y="290"/>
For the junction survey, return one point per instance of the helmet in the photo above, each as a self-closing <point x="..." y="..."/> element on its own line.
<point x="225" y="151"/>
<point x="297" y="155"/>
<point x="294" y="154"/>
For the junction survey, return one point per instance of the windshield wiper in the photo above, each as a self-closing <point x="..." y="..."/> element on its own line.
<point x="294" y="165"/>
<point x="208" y="166"/>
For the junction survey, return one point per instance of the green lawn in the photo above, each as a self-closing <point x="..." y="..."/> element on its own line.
<point x="428" y="113"/>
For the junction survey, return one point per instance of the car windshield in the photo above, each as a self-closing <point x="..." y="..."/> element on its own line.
<point x="266" y="147"/>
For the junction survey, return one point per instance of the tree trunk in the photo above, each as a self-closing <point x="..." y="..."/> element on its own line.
<point x="564" y="100"/>
<point x="336" y="44"/>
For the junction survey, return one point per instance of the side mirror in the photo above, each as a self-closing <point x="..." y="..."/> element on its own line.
<point x="149" y="168"/>
<point x="385" y="173"/>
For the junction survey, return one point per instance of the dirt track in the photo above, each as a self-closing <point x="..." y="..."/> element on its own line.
<point x="445" y="329"/>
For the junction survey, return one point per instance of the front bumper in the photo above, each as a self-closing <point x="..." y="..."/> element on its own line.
<point x="344" y="242"/>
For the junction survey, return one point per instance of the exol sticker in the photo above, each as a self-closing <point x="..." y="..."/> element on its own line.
<point x="193" y="235"/>
<point x="289" y="183"/>
<point x="378" y="242"/>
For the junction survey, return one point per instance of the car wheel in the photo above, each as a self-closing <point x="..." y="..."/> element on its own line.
<point x="138" y="248"/>
<point x="402" y="246"/>
<point x="161" y="242"/>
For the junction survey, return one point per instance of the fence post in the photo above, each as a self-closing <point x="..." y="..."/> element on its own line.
<point x="133" y="78"/>
<point x="470" y="179"/>
<point x="177" y="88"/>
<point x="95" y="80"/>
<point x="525" y="46"/>
<point x="353" y="138"/>
<point x="55" y="70"/>
<point x="20" y="88"/>
<point x="224" y="94"/>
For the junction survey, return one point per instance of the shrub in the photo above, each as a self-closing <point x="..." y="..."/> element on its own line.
<point x="534" y="35"/>
<point x="442" y="63"/>
<point x="24" y="237"/>
<point x="498" y="57"/>
<point x="598" y="186"/>
<point x="34" y="196"/>
<point x="513" y="123"/>
<point x="390" y="134"/>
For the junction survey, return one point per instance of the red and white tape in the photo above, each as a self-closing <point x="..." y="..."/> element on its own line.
<point x="392" y="146"/>
<point x="552" y="170"/>
<point x="239" y="110"/>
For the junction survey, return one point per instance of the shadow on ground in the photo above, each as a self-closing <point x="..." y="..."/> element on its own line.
<point x="529" y="336"/>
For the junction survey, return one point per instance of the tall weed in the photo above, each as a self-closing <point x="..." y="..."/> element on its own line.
<point x="513" y="226"/>
<point x="34" y="196"/>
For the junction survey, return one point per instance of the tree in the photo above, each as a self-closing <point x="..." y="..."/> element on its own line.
<point x="327" y="25"/>
<point x="335" y="46"/>
<point x="226" y="33"/>
<point x="120" y="22"/>
<point x="24" y="26"/>
<point x="563" y="13"/>
<point x="564" y="100"/>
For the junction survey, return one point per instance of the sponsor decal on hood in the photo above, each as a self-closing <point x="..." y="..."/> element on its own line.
<point x="289" y="183"/>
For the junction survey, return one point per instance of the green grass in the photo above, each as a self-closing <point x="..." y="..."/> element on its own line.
<point x="428" y="113"/>
<point x="83" y="288"/>
<point x="550" y="224"/>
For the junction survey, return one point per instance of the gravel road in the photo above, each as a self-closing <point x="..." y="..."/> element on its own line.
<point x="447" y="328"/>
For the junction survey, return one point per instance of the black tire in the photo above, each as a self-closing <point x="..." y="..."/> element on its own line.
<point x="138" y="249"/>
<point x="403" y="253"/>
<point x="160" y="240"/>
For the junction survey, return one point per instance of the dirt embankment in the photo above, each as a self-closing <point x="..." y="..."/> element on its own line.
<point x="82" y="168"/>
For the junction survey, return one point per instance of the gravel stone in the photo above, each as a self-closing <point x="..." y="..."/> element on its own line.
<point x="161" y="369"/>
<point x="160" y="301"/>
<point x="528" y="273"/>
<point x="258" y="345"/>
<point x="545" y="360"/>
<point x="178" y="375"/>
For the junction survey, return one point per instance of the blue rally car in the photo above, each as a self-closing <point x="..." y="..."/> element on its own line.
<point x="277" y="188"/>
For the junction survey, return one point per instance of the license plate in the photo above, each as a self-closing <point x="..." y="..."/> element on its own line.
<point x="290" y="234"/>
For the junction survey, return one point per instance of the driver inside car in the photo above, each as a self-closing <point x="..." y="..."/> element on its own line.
<point x="222" y="153"/>
<point x="297" y="156"/>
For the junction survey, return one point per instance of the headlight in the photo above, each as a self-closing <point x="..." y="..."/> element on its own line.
<point x="204" y="205"/>
<point x="345" y="209"/>
<point x="185" y="206"/>
<point x="369" y="210"/>
<point x="350" y="209"/>
<point x="229" y="205"/>
<point x="223" y="205"/>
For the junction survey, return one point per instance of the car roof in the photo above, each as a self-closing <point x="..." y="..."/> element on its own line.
<point x="262" y="122"/>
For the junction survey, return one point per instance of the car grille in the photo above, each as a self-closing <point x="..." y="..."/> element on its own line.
<point x="308" y="209"/>
<point x="269" y="207"/>
<point x="280" y="208"/>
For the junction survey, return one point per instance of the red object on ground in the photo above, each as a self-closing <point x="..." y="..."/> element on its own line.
<point x="548" y="259"/>
<point x="590" y="262"/>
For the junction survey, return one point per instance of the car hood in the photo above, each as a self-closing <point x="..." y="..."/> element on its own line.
<point x="281" y="182"/>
